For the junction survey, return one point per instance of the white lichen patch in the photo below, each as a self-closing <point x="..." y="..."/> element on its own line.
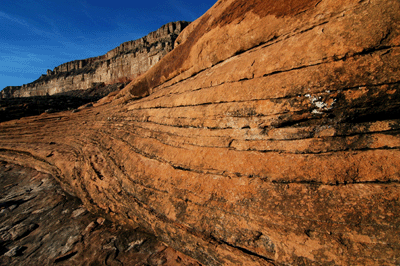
<point x="320" y="105"/>
<point x="315" y="111"/>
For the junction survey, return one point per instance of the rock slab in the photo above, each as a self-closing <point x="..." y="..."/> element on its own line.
<point x="44" y="228"/>
<point x="268" y="136"/>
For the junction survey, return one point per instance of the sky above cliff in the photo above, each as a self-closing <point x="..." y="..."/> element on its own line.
<point x="40" y="35"/>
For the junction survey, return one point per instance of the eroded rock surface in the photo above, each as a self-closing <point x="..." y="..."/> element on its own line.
<point x="268" y="136"/>
<point x="42" y="225"/>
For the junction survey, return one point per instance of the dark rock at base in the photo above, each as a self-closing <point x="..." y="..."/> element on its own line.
<point x="42" y="225"/>
<point x="13" y="252"/>
<point x="16" y="108"/>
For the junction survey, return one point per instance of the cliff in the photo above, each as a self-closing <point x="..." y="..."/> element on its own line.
<point x="119" y="65"/>
<point x="268" y="136"/>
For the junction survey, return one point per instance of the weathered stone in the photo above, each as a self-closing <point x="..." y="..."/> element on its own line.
<point x="269" y="135"/>
<point x="13" y="252"/>
<point x="12" y="207"/>
<point x="89" y="228"/>
<point x="78" y="212"/>
<point x="67" y="242"/>
<point x="100" y="221"/>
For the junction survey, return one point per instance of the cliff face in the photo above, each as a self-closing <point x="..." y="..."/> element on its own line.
<point x="119" y="65"/>
<point x="268" y="136"/>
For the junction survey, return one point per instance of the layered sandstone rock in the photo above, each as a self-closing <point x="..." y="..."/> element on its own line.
<point x="121" y="64"/>
<point x="32" y="232"/>
<point x="268" y="136"/>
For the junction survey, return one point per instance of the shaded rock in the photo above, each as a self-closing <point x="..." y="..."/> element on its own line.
<point x="15" y="108"/>
<point x="78" y="212"/>
<point x="12" y="207"/>
<point x="49" y="111"/>
<point x="40" y="232"/>
<point x="135" y="244"/>
<point x="90" y="228"/>
<point x="65" y="256"/>
<point x="21" y="230"/>
<point x="13" y="252"/>
<point x="100" y="221"/>
<point x="72" y="240"/>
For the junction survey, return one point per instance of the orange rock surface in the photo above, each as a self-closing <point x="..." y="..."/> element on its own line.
<point x="268" y="136"/>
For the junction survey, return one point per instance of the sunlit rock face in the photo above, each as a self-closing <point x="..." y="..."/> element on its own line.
<point x="119" y="65"/>
<point x="268" y="136"/>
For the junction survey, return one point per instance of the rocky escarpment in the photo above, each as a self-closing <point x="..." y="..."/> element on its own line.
<point x="119" y="65"/>
<point x="268" y="136"/>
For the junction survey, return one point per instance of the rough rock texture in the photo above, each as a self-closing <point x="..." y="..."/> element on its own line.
<point x="42" y="225"/>
<point x="268" y="136"/>
<point x="119" y="65"/>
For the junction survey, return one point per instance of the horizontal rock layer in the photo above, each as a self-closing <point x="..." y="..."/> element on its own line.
<point x="268" y="136"/>
<point x="121" y="64"/>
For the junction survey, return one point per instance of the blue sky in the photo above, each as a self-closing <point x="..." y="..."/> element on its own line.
<point x="36" y="35"/>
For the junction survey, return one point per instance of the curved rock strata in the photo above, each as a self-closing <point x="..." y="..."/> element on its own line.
<point x="42" y="225"/>
<point x="268" y="136"/>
